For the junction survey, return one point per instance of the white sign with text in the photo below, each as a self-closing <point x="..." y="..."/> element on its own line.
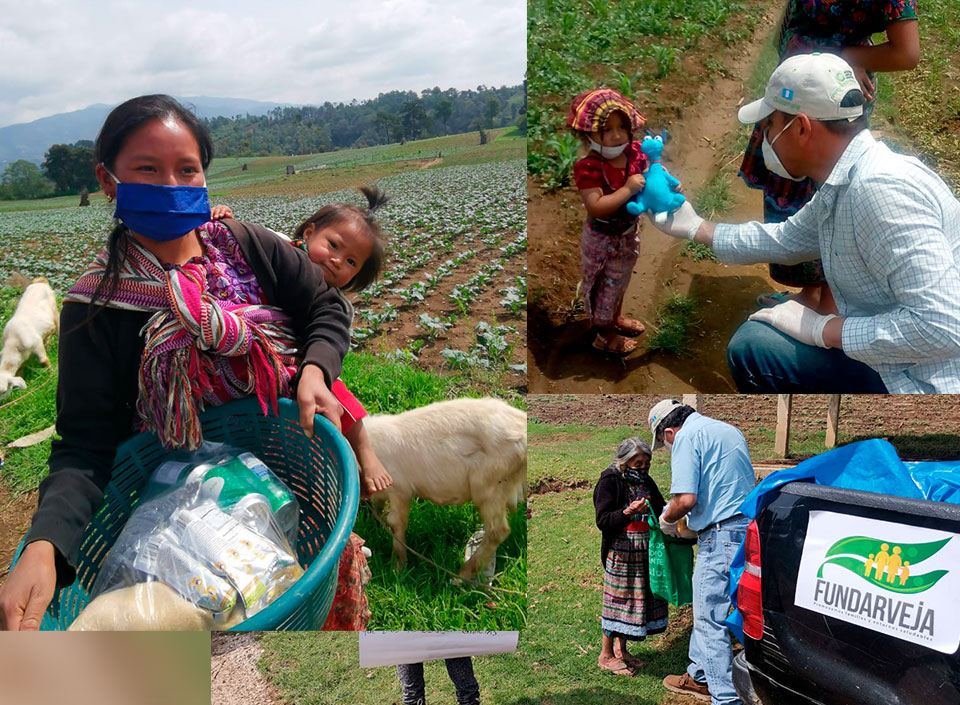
<point x="891" y="578"/>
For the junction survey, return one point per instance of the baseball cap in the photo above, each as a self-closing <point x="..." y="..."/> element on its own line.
<point x="812" y="84"/>
<point x="658" y="413"/>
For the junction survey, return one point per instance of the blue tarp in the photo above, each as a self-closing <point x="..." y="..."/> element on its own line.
<point x="870" y="466"/>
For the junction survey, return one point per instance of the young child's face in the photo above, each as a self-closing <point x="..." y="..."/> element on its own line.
<point x="614" y="132"/>
<point x="340" y="249"/>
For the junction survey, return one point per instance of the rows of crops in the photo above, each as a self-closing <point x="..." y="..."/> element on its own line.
<point x="454" y="285"/>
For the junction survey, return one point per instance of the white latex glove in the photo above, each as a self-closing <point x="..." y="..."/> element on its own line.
<point x="682" y="223"/>
<point x="668" y="527"/>
<point x="796" y="320"/>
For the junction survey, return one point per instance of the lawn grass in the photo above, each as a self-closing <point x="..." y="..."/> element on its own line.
<point x="322" y="668"/>
<point x="556" y="662"/>
<point x="576" y="452"/>
<point x="421" y="596"/>
<point x="27" y="411"/>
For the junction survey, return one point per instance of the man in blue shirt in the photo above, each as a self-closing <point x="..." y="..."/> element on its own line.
<point x="711" y="476"/>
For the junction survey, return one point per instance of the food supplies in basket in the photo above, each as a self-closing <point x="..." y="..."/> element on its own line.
<point x="216" y="529"/>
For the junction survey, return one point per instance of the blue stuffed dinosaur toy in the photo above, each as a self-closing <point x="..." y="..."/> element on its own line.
<point x="658" y="195"/>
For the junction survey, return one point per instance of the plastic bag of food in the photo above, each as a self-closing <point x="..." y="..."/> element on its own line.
<point x="213" y="526"/>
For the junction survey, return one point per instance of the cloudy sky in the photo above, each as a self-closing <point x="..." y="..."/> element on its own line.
<point x="62" y="55"/>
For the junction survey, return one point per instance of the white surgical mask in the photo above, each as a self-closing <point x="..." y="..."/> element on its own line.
<point x="668" y="444"/>
<point x="608" y="152"/>
<point x="771" y="159"/>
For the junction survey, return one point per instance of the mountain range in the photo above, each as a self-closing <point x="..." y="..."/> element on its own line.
<point x="31" y="140"/>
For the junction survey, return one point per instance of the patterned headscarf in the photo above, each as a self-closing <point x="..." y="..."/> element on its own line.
<point x="590" y="110"/>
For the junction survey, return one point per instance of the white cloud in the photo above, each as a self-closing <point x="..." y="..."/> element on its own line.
<point x="60" y="55"/>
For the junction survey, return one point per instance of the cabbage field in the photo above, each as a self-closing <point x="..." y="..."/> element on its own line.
<point x="452" y="294"/>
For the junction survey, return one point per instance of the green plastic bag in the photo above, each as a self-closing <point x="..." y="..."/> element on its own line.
<point x="670" y="565"/>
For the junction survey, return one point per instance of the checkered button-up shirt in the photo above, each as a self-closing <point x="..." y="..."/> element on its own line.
<point x="888" y="231"/>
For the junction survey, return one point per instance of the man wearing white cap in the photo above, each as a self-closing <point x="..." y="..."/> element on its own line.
<point x="711" y="475"/>
<point x="887" y="229"/>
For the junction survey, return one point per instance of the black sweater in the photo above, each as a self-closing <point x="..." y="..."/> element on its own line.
<point x="610" y="499"/>
<point x="97" y="385"/>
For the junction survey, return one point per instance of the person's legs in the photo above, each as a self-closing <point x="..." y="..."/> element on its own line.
<point x="716" y="549"/>
<point x="411" y="683"/>
<point x="762" y="359"/>
<point x="460" y="671"/>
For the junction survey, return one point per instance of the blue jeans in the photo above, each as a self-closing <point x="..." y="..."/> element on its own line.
<point x="711" y="657"/>
<point x="460" y="671"/>
<point x="762" y="359"/>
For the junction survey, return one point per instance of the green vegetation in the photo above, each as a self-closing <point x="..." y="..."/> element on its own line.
<point x="421" y="596"/>
<point x="574" y="46"/>
<point x="920" y="107"/>
<point x="697" y="251"/>
<point x="674" y="319"/>
<point x="27" y="411"/>
<point x="391" y="117"/>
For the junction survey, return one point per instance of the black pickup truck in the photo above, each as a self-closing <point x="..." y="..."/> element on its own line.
<point x="834" y="611"/>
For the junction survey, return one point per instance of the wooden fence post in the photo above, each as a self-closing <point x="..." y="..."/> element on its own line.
<point x="693" y="400"/>
<point x="833" y="418"/>
<point x="782" y="443"/>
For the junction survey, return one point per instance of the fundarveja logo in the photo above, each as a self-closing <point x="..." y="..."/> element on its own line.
<point x="886" y="564"/>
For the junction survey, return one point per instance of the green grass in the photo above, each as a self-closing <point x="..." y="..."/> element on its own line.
<point x="226" y="173"/>
<point x="41" y="203"/>
<point x="556" y="662"/>
<point x="423" y="597"/>
<point x="419" y="597"/>
<point x="392" y="387"/>
<point x="697" y="251"/>
<point x="322" y="668"/>
<point x="920" y="106"/>
<point x="574" y="46"/>
<point x="27" y="411"/>
<point x="674" y="318"/>
<point x="713" y="197"/>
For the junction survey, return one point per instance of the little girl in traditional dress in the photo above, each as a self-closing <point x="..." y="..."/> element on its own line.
<point x="610" y="174"/>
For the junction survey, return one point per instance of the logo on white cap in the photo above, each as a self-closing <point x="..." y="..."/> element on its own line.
<point x="813" y="84"/>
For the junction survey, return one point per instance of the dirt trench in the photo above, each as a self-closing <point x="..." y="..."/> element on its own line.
<point x="560" y="358"/>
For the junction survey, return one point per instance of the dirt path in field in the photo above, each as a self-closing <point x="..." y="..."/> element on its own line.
<point x="559" y="355"/>
<point x="234" y="677"/>
<point x="15" y="516"/>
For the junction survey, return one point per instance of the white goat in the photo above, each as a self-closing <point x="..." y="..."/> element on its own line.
<point x="32" y="324"/>
<point x="452" y="452"/>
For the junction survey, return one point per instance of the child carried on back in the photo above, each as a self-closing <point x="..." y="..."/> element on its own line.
<point x="346" y="243"/>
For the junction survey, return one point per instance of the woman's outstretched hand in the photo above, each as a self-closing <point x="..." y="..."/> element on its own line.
<point x="314" y="397"/>
<point x="29" y="589"/>
<point x="636" y="507"/>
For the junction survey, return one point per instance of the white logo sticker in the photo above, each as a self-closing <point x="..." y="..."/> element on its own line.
<point x="895" y="579"/>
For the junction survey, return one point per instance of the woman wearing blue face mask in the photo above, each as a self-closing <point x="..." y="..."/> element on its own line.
<point x="170" y="294"/>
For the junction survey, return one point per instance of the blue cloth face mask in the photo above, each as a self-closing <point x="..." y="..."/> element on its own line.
<point x="161" y="213"/>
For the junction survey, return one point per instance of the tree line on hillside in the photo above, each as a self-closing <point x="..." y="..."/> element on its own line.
<point x="66" y="169"/>
<point x="390" y="117"/>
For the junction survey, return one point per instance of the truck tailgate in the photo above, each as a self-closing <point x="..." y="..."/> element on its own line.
<point x="862" y="636"/>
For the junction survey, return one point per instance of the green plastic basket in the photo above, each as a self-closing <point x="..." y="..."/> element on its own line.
<point x="321" y="471"/>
